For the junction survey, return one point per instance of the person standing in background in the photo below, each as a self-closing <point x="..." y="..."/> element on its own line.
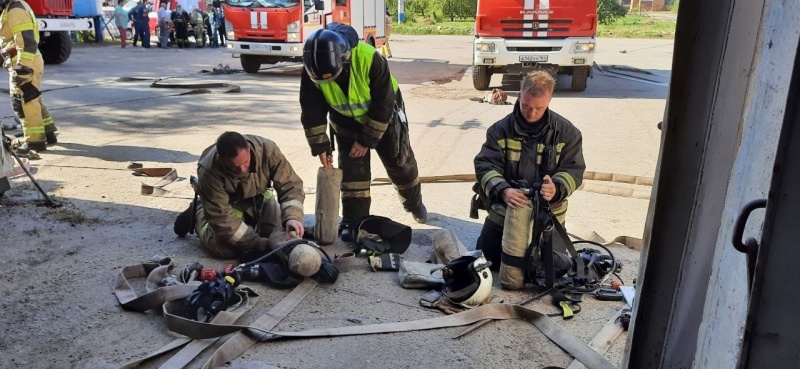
<point x="163" y="25"/>
<point x="121" y="19"/>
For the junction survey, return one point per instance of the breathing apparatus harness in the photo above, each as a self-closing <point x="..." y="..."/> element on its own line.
<point x="219" y="290"/>
<point x="589" y="268"/>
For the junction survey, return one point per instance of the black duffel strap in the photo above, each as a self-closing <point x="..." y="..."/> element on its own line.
<point x="514" y="261"/>
<point x="561" y="233"/>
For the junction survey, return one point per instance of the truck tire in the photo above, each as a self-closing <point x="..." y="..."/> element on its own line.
<point x="579" y="77"/>
<point x="250" y="63"/>
<point x="56" y="47"/>
<point x="481" y="77"/>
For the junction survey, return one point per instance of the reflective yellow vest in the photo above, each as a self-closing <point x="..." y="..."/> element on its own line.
<point x="356" y="103"/>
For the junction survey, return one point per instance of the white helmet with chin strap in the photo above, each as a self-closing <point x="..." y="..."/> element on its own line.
<point x="467" y="280"/>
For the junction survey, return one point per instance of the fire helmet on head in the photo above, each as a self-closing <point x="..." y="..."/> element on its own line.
<point x="324" y="55"/>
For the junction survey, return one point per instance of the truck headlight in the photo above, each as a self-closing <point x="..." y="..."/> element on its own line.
<point x="584" y="47"/>
<point x="293" y="32"/>
<point x="485" y="47"/>
<point x="229" y="31"/>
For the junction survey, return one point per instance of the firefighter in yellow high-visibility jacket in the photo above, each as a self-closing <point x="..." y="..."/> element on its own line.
<point x="19" y="39"/>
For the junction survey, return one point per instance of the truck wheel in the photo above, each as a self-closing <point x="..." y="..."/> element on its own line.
<point x="481" y="76"/>
<point x="56" y="47"/>
<point x="579" y="77"/>
<point x="250" y="63"/>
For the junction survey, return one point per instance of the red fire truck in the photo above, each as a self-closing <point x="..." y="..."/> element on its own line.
<point x="270" y="31"/>
<point x="518" y="36"/>
<point x="55" y="20"/>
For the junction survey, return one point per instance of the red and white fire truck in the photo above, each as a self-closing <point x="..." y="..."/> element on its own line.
<point x="55" y="20"/>
<point x="518" y="36"/>
<point x="270" y="31"/>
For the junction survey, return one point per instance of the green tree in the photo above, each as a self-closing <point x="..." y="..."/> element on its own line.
<point x="609" y="10"/>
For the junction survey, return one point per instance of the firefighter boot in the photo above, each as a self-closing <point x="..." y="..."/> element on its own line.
<point x="51" y="138"/>
<point x="183" y="223"/>
<point x="420" y="214"/>
<point x="27" y="147"/>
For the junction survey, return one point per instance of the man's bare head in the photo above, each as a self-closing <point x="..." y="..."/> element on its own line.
<point x="535" y="94"/>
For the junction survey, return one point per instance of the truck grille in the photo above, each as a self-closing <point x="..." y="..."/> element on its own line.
<point x="59" y="7"/>
<point x="535" y="25"/>
<point x="535" y="49"/>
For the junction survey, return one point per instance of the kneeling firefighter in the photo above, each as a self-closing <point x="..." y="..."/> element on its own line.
<point x="531" y="154"/>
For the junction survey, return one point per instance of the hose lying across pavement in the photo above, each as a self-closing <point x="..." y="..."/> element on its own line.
<point x="636" y="193"/>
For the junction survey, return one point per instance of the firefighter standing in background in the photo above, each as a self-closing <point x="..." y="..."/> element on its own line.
<point x="19" y="39"/>
<point x="181" y="21"/>
<point x="198" y="24"/>
<point x="369" y="115"/>
<point x="141" y="23"/>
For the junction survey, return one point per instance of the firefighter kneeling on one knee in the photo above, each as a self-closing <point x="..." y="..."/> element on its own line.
<point x="532" y="145"/>
<point x="19" y="39"/>
<point x="349" y="81"/>
<point x="249" y="198"/>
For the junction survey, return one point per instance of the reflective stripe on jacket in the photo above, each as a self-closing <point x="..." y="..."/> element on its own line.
<point x="19" y="30"/>
<point x="225" y="193"/>
<point x="510" y="154"/>
<point x="355" y="104"/>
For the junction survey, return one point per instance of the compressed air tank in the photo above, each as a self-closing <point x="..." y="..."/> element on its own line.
<point x="329" y="186"/>
<point x="516" y="240"/>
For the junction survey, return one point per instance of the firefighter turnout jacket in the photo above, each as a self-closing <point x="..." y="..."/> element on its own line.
<point x="19" y="39"/>
<point x="19" y="35"/>
<point x="515" y="150"/>
<point x="226" y="194"/>
<point x="363" y="113"/>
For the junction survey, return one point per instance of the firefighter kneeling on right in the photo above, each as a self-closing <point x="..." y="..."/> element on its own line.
<point x="531" y="146"/>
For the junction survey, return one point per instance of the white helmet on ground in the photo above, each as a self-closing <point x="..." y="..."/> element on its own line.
<point x="467" y="280"/>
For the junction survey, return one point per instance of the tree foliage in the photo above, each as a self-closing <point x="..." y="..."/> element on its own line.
<point x="451" y="10"/>
<point x="609" y="10"/>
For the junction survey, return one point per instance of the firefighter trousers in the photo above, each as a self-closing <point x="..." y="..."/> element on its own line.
<point x="36" y="120"/>
<point x="267" y="222"/>
<point x="395" y="153"/>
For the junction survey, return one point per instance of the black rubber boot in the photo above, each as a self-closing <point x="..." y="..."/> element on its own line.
<point x="183" y="223"/>
<point x="420" y="214"/>
<point x="51" y="138"/>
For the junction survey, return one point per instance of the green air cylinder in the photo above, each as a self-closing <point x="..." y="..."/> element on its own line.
<point x="329" y="186"/>
<point x="516" y="239"/>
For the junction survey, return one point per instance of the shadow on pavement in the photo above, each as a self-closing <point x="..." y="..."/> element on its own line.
<point x="122" y="153"/>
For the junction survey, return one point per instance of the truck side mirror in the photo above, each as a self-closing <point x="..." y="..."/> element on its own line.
<point x="319" y="5"/>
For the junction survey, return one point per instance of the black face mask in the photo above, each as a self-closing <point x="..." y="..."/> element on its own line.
<point x="328" y="273"/>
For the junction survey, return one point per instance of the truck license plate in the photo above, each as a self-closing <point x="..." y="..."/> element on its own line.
<point x="260" y="47"/>
<point x="533" y="58"/>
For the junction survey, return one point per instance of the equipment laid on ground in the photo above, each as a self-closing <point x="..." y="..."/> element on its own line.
<point x="539" y="250"/>
<point x="516" y="37"/>
<point x="467" y="280"/>
<point x="379" y="235"/>
<point x="326" y="212"/>
<point x="278" y="268"/>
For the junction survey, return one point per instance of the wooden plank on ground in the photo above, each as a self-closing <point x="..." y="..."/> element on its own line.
<point x="603" y="340"/>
